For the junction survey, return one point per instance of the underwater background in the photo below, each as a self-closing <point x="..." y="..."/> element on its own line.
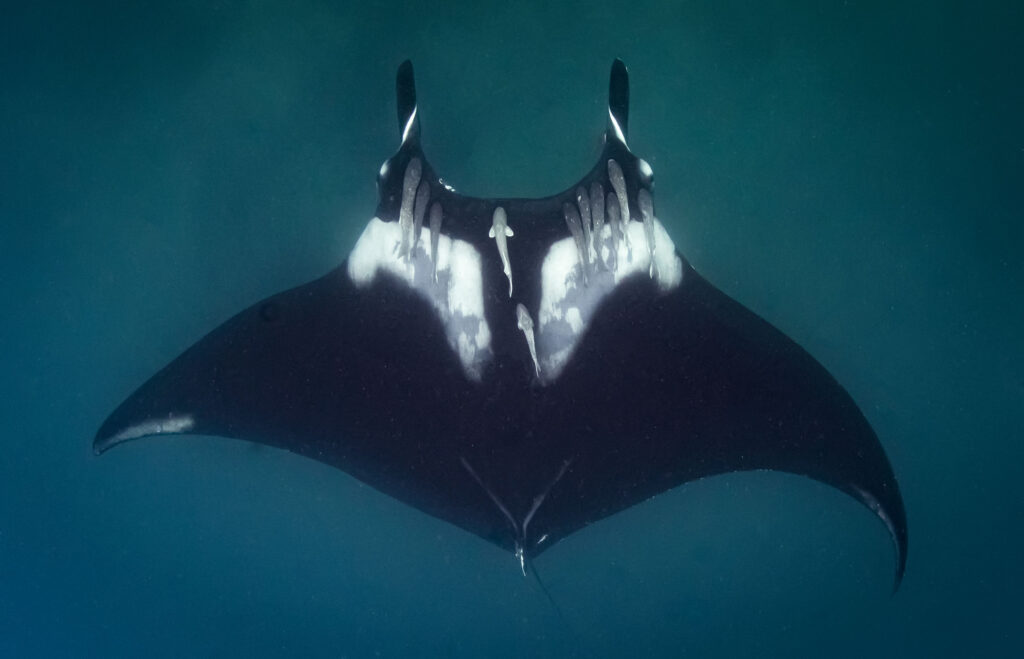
<point x="851" y="171"/>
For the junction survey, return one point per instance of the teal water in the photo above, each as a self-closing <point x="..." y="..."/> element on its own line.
<point x="852" y="172"/>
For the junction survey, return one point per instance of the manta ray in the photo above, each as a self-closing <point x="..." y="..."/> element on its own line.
<point x="520" y="368"/>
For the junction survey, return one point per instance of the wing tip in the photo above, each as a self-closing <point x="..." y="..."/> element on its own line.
<point x="110" y="435"/>
<point x="104" y="441"/>
<point x="897" y="527"/>
<point x="897" y="582"/>
<point x="893" y="515"/>
<point x="899" y="539"/>
<point x="105" y="438"/>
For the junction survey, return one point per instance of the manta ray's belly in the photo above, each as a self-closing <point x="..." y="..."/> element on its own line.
<point x="577" y="273"/>
<point x="568" y="303"/>
<point x="448" y="276"/>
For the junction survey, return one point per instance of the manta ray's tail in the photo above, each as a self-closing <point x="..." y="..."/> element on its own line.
<point x="584" y="650"/>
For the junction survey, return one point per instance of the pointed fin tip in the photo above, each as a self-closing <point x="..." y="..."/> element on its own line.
<point x="897" y="528"/>
<point x="901" y="561"/>
<point x="104" y="438"/>
<point x="405" y="93"/>
<point x="102" y="442"/>
<point x="898" y="534"/>
<point x="110" y="435"/>
<point x="618" y="100"/>
<point x="897" y="582"/>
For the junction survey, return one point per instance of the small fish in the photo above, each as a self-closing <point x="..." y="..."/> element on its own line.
<point x="501" y="231"/>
